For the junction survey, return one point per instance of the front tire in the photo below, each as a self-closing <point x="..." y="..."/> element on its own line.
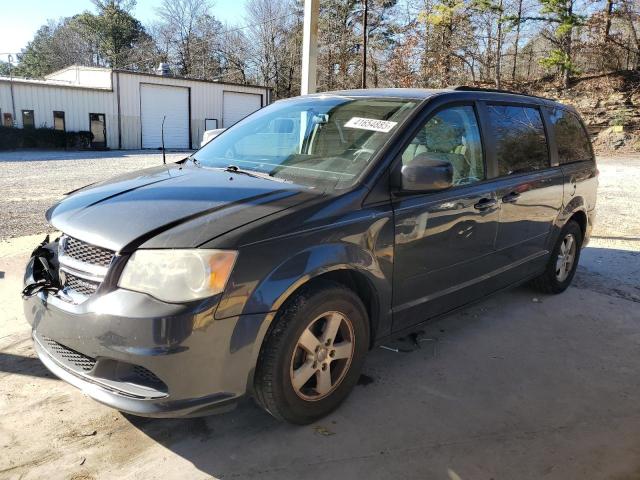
<point x="563" y="261"/>
<point x="313" y="353"/>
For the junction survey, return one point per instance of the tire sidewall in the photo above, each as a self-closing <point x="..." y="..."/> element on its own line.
<point x="340" y="300"/>
<point x="570" y="228"/>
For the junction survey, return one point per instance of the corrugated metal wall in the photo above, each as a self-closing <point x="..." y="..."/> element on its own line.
<point x="78" y="102"/>
<point x="206" y="102"/>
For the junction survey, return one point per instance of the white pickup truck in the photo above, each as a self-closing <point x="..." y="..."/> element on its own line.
<point x="209" y="135"/>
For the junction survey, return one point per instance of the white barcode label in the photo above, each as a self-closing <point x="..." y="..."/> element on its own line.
<point x="370" y="124"/>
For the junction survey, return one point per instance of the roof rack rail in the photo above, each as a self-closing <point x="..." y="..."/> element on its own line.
<point x="467" y="88"/>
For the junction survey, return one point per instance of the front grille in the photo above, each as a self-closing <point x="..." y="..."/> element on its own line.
<point x="106" y="369"/>
<point x="147" y="376"/>
<point x="86" y="253"/>
<point x="83" y="267"/>
<point x="74" y="360"/>
<point x="80" y="285"/>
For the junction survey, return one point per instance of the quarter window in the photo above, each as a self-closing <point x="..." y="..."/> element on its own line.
<point x="27" y="119"/>
<point x="58" y="121"/>
<point x="571" y="138"/>
<point x="451" y="135"/>
<point x="521" y="144"/>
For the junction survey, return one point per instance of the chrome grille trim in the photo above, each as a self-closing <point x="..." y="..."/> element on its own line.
<point x="80" y="285"/>
<point x="83" y="267"/>
<point x="85" y="252"/>
<point x="84" y="270"/>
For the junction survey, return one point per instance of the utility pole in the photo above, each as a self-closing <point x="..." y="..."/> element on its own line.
<point x="309" y="47"/>
<point x="363" y="82"/>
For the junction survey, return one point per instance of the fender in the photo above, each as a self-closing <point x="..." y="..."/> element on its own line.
<point x="575" y="205"/>
<point x="295" y="271"/>
<point x="307" y="265"/>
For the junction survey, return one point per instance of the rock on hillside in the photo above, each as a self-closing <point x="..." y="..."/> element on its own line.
<point x="604" y="101"/>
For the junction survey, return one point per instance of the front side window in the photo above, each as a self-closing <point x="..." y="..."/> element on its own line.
<point x="58" y="121"/>
<point x="451" y="135"/>
<point x="572" y="140"/>
<point x="324" y="142"/>
<point x="520" y="140"/>
<point x="27" y="119"/>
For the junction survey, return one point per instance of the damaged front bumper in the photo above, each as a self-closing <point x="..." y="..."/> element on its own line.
<point x="143" y="356"/>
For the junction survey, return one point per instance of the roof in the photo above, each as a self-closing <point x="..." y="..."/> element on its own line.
<point x="50" y="83"/>
<point x="179" y="77"/>
<point x="414" y="93"/>
<point x="50" y="79"/>
<point x="462" y="92"/>
<point x="73" y="67"/>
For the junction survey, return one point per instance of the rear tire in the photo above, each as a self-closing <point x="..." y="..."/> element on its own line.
<point x="563" y="261"/>
<point x="313" y="353"/>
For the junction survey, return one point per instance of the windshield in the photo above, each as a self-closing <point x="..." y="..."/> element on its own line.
<point x="322" y="142"/>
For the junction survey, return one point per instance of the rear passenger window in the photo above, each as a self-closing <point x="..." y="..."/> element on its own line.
<point x="451" y="135"/>
<point x="521" y="144"/>
<point x="572" y="140"/>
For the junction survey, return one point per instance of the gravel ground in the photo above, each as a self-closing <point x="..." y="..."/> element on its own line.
<point x="28" y="193"/>
<point x="618" y="199"/>
<point x="31" y="181"/>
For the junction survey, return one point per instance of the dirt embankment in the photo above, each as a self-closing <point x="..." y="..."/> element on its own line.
<point x="609" y="104"/>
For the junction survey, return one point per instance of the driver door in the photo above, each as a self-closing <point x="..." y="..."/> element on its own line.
<point x="444" y="241"/>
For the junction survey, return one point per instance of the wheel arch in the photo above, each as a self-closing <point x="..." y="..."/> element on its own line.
<point x="580" y="217"/>
<point x="574" y="210"/>
<point x="346" y="265"/>
<point x="357" y="282"/>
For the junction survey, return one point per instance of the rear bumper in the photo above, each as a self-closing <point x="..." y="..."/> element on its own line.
<point x="591" y="218"/>
<point x="145" y="357"/>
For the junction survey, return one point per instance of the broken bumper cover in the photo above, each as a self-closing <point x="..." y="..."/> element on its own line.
<point x="145" y="357"/>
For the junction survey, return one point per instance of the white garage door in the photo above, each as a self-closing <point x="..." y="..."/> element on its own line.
<point x="157" y="101"/>
<point x="237" y="105"/>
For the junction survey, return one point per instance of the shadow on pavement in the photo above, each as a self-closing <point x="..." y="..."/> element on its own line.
<point x="520" y="375"/>
<point x="21" y="365"/>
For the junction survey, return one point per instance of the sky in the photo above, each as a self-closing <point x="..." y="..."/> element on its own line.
<point x="19" y="19"/>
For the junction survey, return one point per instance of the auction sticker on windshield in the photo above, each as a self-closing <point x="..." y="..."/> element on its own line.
<point x="370" y="124"/>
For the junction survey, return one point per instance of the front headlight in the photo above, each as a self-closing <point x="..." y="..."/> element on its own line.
<point x="178" y="275"/>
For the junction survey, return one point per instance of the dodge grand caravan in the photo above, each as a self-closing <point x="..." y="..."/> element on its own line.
<point x="271" y="260"/>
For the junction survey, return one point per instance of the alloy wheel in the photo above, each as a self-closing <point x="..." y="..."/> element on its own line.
<point x="322" y="356"/>
<point x="566" y="257"/>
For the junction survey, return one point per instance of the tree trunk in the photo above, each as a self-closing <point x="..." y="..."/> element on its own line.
<point x="566" y="43"/>
<point x="632" y="31"/>
<point x="363" y="82"/>
<point x="517" y="40"/>
<point x="488" y="59"/>
<point x="607" y="25"/>
<point x="499" y="47"/>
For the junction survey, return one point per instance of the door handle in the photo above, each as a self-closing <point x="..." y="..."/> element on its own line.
<point x="485" y="203"/>
<point x="510" y="197"/>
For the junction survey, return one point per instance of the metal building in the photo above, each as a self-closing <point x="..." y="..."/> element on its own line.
<point x="125" y="109"/>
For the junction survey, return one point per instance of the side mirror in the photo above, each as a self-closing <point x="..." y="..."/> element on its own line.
<point x="425" y="174"/>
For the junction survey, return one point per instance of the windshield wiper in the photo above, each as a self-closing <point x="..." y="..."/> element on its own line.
<point x="253" y="173"/>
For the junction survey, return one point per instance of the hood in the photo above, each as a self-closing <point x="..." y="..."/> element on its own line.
<point x="172" y="206"/>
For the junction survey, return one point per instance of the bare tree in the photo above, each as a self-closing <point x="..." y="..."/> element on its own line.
<point x="184" y="25"/>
